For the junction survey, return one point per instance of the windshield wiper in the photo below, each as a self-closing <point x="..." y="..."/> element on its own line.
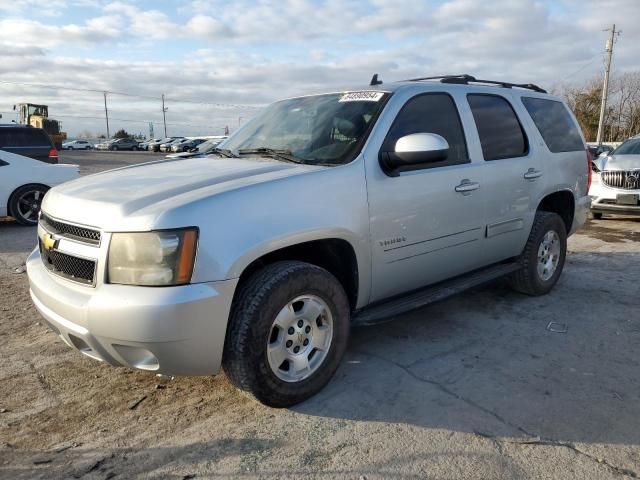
<point x="223" y="152"/>
<point x="272" y="152"/>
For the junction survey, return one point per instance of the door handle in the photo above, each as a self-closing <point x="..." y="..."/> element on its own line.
<point x="532" y="174"/>
<point x="467" y="186"/>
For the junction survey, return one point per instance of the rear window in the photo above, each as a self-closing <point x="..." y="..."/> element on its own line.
<point x="501" y="134"/>
<point x="555" y="124"/>
<point x="24" y="137"/>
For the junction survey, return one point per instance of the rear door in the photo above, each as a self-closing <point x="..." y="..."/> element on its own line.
<point x="427" y="224"/>
<point x="513" y="174"/>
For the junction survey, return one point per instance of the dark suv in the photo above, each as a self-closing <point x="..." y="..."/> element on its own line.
<point x="28" y="141"/>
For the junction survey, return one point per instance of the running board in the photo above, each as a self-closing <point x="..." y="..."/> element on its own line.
<point x="381" y="312"/>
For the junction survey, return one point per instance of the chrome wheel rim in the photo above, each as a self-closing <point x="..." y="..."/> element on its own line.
<point x="29" y="205"/>
<point x="300" y="338"/>
<point x="548" y="255"/>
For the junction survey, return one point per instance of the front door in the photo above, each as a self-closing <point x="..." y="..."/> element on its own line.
<point x="426" y="224"/>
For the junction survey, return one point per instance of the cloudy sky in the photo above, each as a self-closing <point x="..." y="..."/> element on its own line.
<point x="217" y="61"/>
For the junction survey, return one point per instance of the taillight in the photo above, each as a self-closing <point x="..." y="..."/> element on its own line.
<point x="53" y="153"/>
<point x="589" y="170"/>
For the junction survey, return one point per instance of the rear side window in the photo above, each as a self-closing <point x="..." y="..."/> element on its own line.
<point x="554" y="124"/>
<point x="501" y="134"/>
<point x="36" y="138"/>
<point x="431" y="113"/>
<point x="23" y="137"/>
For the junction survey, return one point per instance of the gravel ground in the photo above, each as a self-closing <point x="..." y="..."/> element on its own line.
<point x="472" y="387"/>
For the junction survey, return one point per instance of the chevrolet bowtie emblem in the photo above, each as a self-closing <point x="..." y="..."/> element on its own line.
<point x="48" y="242"/>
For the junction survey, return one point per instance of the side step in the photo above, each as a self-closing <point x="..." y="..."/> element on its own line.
<point x="378" y="313"/>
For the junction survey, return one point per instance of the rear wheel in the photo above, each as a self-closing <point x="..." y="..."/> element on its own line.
<point x="543" y="256"/>
<point x="596" y="215"/>
<point x="25" y="203"/>
<point x="87" y="147"/>
<point x="287" y="334"/>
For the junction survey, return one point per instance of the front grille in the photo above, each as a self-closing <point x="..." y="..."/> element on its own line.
<point x="623" y="179"/>
<point x="72" y="268"/>
<point x="73" y="232"/>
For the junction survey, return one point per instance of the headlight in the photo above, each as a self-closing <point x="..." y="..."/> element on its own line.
<point x="159" y="258"/>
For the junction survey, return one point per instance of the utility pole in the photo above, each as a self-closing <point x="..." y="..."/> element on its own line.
<point x="164" y="118"/>
<point x="106" y="114"/>
<point x="605" y="85"/>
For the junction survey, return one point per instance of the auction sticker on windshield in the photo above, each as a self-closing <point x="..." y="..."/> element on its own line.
<point x="367" y="96"/>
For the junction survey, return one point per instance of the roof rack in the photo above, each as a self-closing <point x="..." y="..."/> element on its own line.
<point x="465" y="79"/>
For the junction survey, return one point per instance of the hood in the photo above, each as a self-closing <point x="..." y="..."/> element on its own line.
<point x="134" y="197"/>
<point x="618" y="162"/>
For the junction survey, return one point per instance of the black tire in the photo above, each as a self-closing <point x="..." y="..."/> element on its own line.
<point x="596" y="215"/>
<point x="18" y="208"/>
<point x="114" y="148"/>
<point x="87" y="148"/>
<point x="134" y="149"/>
<point x="527" y="280"/>
<point x="255" y="306"/>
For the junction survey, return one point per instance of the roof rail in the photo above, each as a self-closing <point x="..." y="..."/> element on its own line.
<point x="465" y="79"/>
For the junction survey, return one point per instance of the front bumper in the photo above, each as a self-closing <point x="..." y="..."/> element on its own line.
<point x="604" y="200"/>
<point x="170" y="330"/>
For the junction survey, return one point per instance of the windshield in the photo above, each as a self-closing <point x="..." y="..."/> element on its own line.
<point x="320" y="129"/>
<point x="630" y="147"/>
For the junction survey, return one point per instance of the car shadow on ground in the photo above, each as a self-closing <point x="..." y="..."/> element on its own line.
<point x="487" y="362"/>
<point x="16" y="238"/>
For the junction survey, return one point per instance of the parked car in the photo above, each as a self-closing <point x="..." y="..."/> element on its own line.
<point x="597" y="150"/>
<point x="322" y="212"/>
<point x="145" y="145"/>
<point x="124" y="144"/>
<point x="155" y="146"/>
<point x="28" y="141"/>
<point x="166" y="147"/>
<point x="186" y="144"/>
<point x="104" y="145"/>
<point x="199" y="151"/>
<point x="24" y="183"/>
<point x="77" y="145"/>
<point x="616" y="182"/>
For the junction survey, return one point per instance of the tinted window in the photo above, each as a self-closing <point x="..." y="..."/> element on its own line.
<point x="554" y="124"/>
<point x="430" y="113"/>
<point x="501" y="134"/>
<point x="36" y="138"/>
<point x="23" y="137"/>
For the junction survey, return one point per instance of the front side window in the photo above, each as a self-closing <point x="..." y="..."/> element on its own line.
<point x="319" y="129"/>
<point x="431" y="113"/>
<point x="554" y="123"/>
<point x="501" y="135"/>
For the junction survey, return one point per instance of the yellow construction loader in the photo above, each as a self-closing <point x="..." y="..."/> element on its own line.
<point x="38" y="117"/>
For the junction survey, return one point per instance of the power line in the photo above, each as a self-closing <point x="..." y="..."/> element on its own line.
<point x="126" y="94"/>
<point x="131" y="120"/>
<point x="589" y="62"/>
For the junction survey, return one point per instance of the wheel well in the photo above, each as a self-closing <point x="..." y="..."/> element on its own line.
<point x="9" y="200"/>
<point x="561" y="203"/>
<point x="334" y="255"/>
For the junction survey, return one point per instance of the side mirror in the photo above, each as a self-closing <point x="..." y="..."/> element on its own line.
<point x="413" y="150"/>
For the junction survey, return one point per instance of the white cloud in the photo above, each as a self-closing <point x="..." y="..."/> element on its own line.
<point x="247" y="52"/>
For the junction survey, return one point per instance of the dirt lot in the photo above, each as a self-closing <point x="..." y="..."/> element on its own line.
<point x="472" y="387"/>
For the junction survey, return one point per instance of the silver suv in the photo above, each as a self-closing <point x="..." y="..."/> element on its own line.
<point x="322" y="212"/>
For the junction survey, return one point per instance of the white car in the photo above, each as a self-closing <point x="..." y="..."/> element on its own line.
<point x="616" y="181"/>
<point x="24" y="182"/>
<point x="77" y="145"/>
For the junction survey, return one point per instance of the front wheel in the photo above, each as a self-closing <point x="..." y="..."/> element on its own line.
<point x="543" y="256"/>
<point x="25" y="203"/>
<point x="596" y="215"/>
<point x="288" y="331"/>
